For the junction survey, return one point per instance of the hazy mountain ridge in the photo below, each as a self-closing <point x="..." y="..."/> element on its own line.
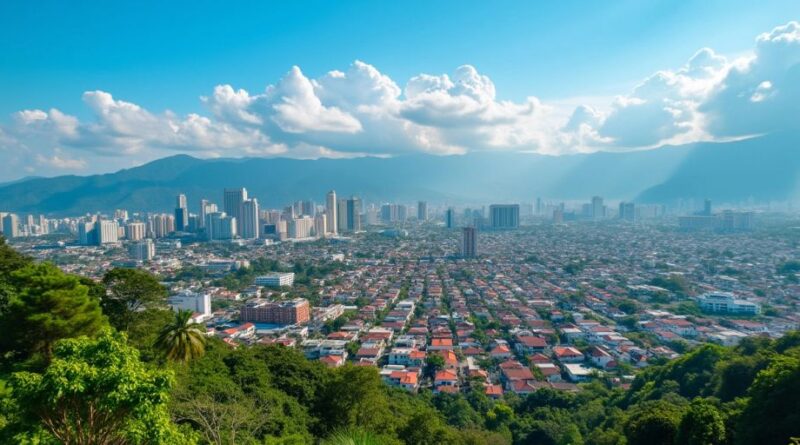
<point x="763" y="168"/>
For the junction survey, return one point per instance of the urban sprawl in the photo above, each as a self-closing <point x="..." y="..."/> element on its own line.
<point x="515" y="296"/>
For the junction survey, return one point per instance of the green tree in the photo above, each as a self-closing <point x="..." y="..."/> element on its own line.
<point x="355" y="397"/>
<point x="129" y="291"/>
<point x="772" y="415"/>
<point x="47" y="305"/>
<point x="702" y="424"/>
<point x="653" y="423"/>
<point x="182" y="339"/>
<point x="96" y="391"/>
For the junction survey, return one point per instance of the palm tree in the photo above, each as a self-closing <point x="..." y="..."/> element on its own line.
<point x="352" y="436"/>
<point x="182" y="340"/>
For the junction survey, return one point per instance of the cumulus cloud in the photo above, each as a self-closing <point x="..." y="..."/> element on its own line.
<point x="361" y="111"/>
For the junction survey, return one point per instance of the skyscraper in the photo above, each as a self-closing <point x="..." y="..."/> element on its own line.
<point x="422" y="211"/>
<point x="504" y="216"/>
<point x="249" y="224"/>
<point x="469" y="242"/>
<point x="232" y="203"/>
<point x="181" y="213"/>
<point x="354" y="214"/>
<point x="331" y="210"/>
<point x="450" y="218"/>
<point x="341" y="215"/>
<point x="598" y="209"/>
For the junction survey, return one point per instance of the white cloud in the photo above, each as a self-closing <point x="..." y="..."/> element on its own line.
<point x="361" y="111"/>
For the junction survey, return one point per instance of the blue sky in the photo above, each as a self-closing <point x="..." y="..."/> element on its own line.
<point x="163" y="56"/>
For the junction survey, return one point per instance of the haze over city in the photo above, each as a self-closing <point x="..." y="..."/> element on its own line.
<point x="409" y="223"/>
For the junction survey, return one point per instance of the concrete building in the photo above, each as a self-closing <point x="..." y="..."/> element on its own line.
<point x="469" y="242"/>
<point x="295" y="311"/>
<point x="276" y="279"/>
<point x="250" y="225"/>
<point x="504" y="216"/>
<point x="135" y="231"/>
<point x="422" y="211"/>
<point x="725" y="302"/>
<point x="191" y="301"/>
<point x="331" y="212"/>
<point x="107" y="232"/>
<point x="450" y="218"/>
<point x="220" y="226"/>
<point x="143" y="250"/>
<point x="11" y="226"/>
<point x="232" y="202"/>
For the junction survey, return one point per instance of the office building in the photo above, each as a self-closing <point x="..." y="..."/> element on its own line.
<point x="11" y="226"/>
<point x="469" y="242"/>
<point x="250" y="225"/>
<point x="181" y="213"/>
<point x="135" y="231"/>
<point x="707" y="207"/>
<point x="354" y="211"/>
<point x="341" y="212"/>
<point x="233" y="201"/>
<point x="422" y="211"/>
<point x="291" y="312"/>
<point x="143" y="250"/>
<point x="276" y="279"/>
<point x="450" y="218"/>
<point x="504" y="216"/>
<point x="332" y="212"/>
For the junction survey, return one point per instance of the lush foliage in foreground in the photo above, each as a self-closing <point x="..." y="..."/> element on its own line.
<point x="70" y="376"/>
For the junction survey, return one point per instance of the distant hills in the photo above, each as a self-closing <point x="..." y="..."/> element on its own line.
<point x="760" y="169"/>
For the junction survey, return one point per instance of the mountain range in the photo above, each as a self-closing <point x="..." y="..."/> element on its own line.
<point x="758" y="169"/>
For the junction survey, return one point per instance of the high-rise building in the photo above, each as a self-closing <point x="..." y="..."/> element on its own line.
<point x="233" y="200"/>
<point x="107" y="231"/>
<point x="388" y="213"/>
<point x="341" y="214"/>
<point x="331" y="210"/>
<point x="627" y="211"/>
<point x="11" y="226"/>
<point x="301" y="227"/>
<point x="143" y="250"/>
<point x="707" y="207"/>
<point x="539" y="209"/>
<point x="250" y="225"/>
<point x="450" y="218"/>
<point x="354" y="214"/>
<point x="220" y="226"/>
<point x="598" y="209"/>
<point x="87" y="236"/>
<point x="422" y="211"/>
<point x="308" y="208"/>
<point x="181" y="213"/>
<point x="469" y="242"/>
<point x="504" y="216"/>
<point x="320" y="225"/>
<point x="135" y="231"/>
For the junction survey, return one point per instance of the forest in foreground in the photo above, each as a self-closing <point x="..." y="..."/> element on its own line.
<point x="85" y="362"/>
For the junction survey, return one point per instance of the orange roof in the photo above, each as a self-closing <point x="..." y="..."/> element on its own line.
<point x="446" y="375"/>
<point x="494" y="390"/>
